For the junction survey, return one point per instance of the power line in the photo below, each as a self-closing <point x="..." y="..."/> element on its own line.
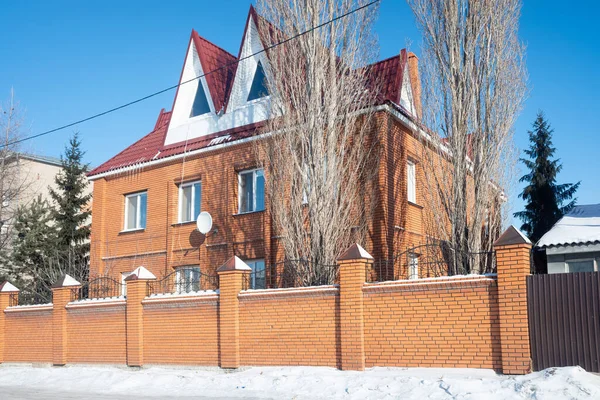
<point x="190" y="80"/>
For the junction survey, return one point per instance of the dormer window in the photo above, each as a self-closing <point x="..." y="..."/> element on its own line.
<point x="200" y="106"/>
<point x="258" y="88"/>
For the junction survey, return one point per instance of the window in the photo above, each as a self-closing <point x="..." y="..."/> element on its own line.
<point x="187" y="279"/>
<point x="124" y="275"/>
<point x="258" y="88"/>
<point x="580" y="266"/>
<point x="190" y="198"/>
<point x="411" y="182"/>
<point x="135" y="211"/>
<point x="413" y="266"/>
<point x="251" y="191"/>
<point x="257" y="277"/>
<point x="200" y="105"/>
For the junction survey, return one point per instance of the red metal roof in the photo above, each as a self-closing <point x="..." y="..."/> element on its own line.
<point x="385" y="77"/>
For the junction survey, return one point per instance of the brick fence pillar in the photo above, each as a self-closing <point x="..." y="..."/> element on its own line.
<point x="7" y="291"/>
<point x="137" y="284"/>
<point x="513" y="252"/>
<point x="61" y="296"/>
<point x="231" y="275"/>
<point x="353" y="265"/>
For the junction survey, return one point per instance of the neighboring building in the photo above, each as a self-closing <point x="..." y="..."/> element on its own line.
<point x="573" y="243"/>
<point x="34" y="175"/>
<point x="200" y="156"/>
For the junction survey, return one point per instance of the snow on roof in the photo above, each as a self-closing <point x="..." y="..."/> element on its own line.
<point x="580" y="226"/>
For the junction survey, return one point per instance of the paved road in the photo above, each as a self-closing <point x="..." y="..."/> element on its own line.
<point x="17" y="393"/>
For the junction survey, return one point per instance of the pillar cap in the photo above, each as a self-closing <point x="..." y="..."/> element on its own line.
<point x="140" y="273"/>
<point x="65" y="281"/>
<point x="355" y="252"/>
<point x="512" y="236"/>
<point x="234" y="264"/>
<point x="8" y="287"/>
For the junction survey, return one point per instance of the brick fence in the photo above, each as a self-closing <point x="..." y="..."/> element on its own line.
<point x="467" y="321"/>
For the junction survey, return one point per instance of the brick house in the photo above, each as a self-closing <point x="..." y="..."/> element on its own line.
<point x="199" y="156"/>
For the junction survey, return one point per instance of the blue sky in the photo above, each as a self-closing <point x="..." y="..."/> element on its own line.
<point x="70" y="59"/>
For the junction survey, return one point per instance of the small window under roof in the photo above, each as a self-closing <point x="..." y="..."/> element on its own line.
<point x="200" y="102"/>
<point x="258" y="88"/>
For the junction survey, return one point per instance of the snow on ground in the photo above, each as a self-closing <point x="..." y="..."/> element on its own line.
<point x="302" y="383"/>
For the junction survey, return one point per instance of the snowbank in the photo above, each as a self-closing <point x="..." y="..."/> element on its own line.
<point x="307" y="382"/>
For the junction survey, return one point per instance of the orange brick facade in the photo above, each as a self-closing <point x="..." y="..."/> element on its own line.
<point x="165" y="244"/>
<point x="471" y="322"/>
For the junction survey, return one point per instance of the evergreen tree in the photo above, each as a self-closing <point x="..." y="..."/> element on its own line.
<point x="34" y="244"/>
<point x="71" y="204"/>
<point x="545" y="199"/>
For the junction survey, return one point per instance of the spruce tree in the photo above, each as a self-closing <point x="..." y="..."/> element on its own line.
<point x="71" y="204"/>
<point x="545" y="199"/>
<point x="35" y="242"/>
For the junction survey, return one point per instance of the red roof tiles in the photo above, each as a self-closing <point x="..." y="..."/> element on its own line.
<point x="386" y="78"/>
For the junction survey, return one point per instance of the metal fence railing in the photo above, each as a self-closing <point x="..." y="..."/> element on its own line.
<point x="183" y="280"/>
<point x="27" y="297"/>
<point x="291" y="273"/>
<point x="430" y="261"/>
<point x="98" y="288"/>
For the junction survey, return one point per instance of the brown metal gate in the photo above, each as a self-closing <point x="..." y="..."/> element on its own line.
<point x="564" y="320"/>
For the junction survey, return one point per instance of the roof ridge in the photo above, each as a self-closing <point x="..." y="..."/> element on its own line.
<point x="385" y="59"/>
<point x="213" y="44"/>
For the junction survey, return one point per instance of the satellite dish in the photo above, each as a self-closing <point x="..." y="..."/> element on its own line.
<point x="204" y="222"/>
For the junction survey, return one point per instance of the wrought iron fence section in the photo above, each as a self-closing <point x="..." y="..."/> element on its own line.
<point x="26" y="297"/>
<point x="431" y="260"/>
<point x="183" y="280"/>
<point x="98" y="288"/>
<point x="291" y="273"/>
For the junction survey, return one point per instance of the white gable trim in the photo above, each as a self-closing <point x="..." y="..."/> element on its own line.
<point x="180" y="118"/>
<point x="406" y="95"/>
<point x="239" y="112"/>
<point x="251" y="44"/>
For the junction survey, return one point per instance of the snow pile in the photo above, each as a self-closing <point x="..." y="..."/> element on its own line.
<point x="306" y="382"/>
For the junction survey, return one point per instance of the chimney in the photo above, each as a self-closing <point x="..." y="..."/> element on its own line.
<point x="415" y="81"/>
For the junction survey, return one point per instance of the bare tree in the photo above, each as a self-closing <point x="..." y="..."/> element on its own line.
<point x="13" y="182"/>
<point x="474" y="84"/>
<point x="319" y="156"/>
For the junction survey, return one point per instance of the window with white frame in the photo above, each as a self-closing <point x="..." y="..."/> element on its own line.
<point x="251" y="191"/>
<point x="124" y="275"/>
<point x="257" y="277"/>
<point x="187" y="279"/>
<point x="413" y="266"/>
<point x="411" y="182"/>
<point x="580" y="265"/>
<point x="135" y="211"/>
<point x="190" y="198"/>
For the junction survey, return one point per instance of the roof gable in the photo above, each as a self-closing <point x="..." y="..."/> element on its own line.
<point x="227" y="85"/>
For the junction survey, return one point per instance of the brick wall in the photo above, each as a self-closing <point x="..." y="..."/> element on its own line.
<point x="165" y="244"/>
<point x="181" y="330"/>
<point x="433" y="323"/>
<point x="28" y="335"/>
<point x="465" y="321"/>
<point x="294" y="326"/>
<point x="96" y="333"/>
